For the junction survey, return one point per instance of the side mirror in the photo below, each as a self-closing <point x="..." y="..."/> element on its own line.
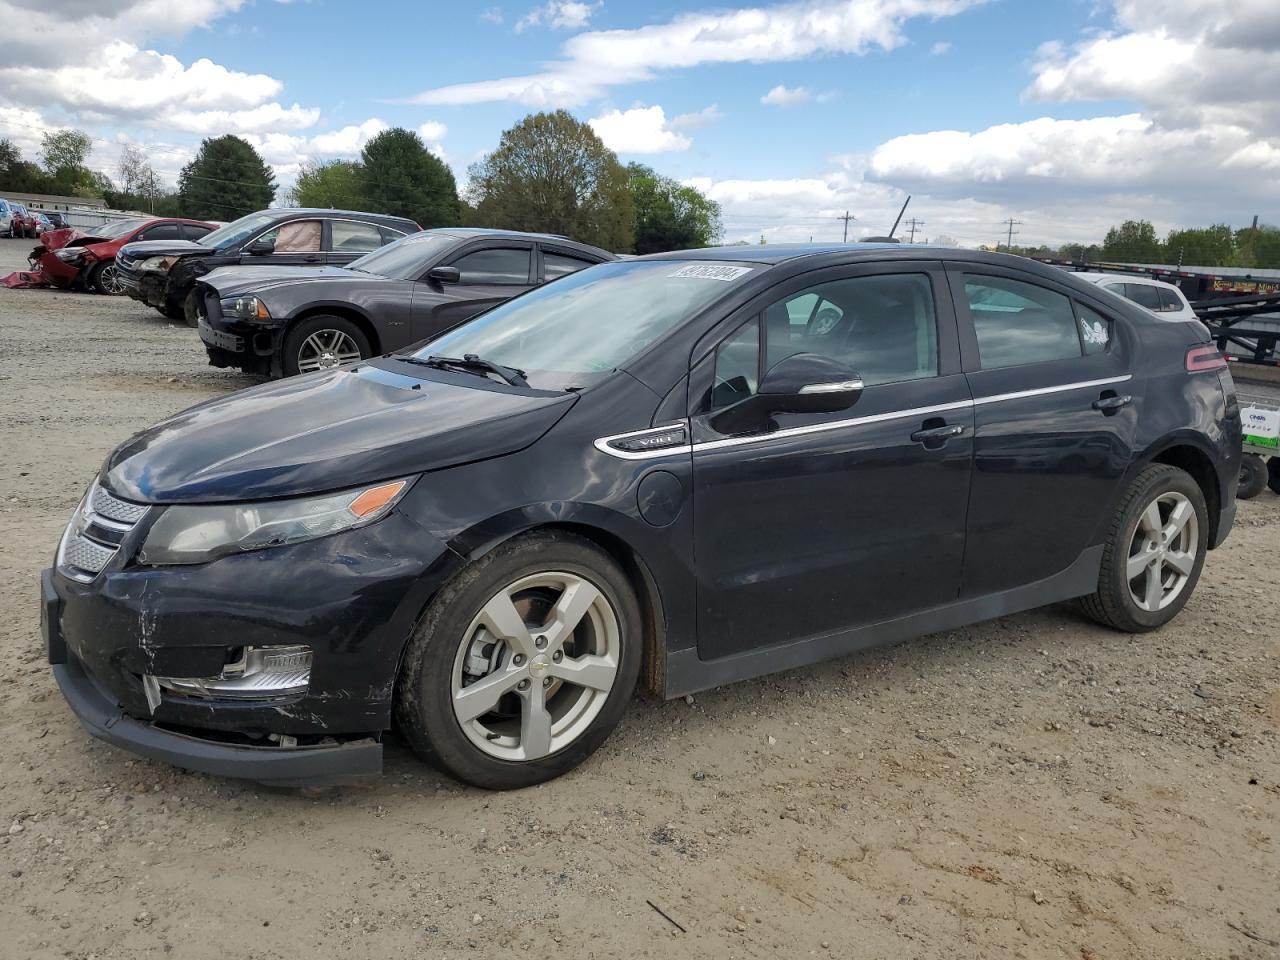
<point x="801" y="383"/>
<point x="444" y="274"/>
<point x="262" y="247"/>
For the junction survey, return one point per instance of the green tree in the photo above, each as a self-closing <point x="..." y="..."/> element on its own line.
<point x="670" y="216"/>
<point x="17" y="173"/>
<point x="1257" y="247"/>
<point x="64" y="150"/>
<point x="551" y="173"/>
<point x="226" y="180"/>
<point x="1206" y="247"/>
<point x="338" y="183"/>
<point x="1134" y="241"/>
<point x="402" y="177"/>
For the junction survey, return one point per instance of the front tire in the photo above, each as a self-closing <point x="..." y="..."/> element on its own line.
<point x="1273" y="474"/>
<point x="1154" y="552"/>
<point x="103" y="279"/>
<point x="523" y="665"/>
<point x="321" y="343"/>
<point x="1253" y="477"/>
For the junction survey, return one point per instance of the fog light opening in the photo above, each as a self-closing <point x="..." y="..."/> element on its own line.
<point x="252" y="673"/>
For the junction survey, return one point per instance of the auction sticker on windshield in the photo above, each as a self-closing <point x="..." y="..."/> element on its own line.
<point x="710" y="271"/>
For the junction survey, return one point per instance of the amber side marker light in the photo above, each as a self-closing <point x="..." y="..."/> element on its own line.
<point x="375" y="498"/>
<point x="1200" y="359"/>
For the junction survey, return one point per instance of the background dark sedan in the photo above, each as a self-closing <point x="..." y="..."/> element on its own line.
<point x="294" y="320"/>
<point x="163" y="274"/>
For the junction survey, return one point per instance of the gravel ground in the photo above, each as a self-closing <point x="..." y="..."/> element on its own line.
<point x="1031" y="787"/>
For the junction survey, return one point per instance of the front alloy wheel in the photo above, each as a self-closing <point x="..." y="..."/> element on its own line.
<point x="326" y="349"/>
<point x="108" y="281"/>
<point x="536" y="665"/>
<point x="523" y="664"/>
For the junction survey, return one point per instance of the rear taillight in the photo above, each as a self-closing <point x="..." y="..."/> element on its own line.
<point x="1201" y="359"/>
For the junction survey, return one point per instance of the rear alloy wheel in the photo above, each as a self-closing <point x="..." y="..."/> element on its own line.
<point x="1253" y="477"/>
<point x="104" y="279"/>
<point x="321" y="343"/>
<point x="1154" y="554"/>
<point x="522" y="667"/>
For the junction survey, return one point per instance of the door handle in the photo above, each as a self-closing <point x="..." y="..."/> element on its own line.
<point x="310" y="259"/>
<point x="938" y="435"/>
<point x="1112" y="404"/>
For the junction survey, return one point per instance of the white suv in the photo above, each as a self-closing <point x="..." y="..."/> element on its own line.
<point x="6" y="218"/>
<point x="1163" y="299"/>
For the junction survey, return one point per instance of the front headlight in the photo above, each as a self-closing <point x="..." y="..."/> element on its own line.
<point x="200" y="533"/>
<point x="245" y="308"/>
<point x="69" y="254"/>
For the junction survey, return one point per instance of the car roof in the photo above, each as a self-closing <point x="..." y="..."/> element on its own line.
<point x="285" y="213"/>
<point x="481" y="233"/>
<point x="861" y="252"/>
<point x="1127" y="278"/>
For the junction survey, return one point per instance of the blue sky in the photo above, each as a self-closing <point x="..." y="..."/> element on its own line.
<point x="1067" y="115"/>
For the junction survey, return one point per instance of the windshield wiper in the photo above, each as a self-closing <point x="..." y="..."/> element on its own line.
<point x="473" y="363"/>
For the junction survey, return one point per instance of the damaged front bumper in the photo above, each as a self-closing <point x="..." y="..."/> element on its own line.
<point x="252" y="346"/>
<point x="157" y="659"/>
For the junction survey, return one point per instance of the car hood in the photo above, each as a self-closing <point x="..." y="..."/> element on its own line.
<point x="144" y="249"/>
<point x="326" y="431"/>
<point x="234" y="281"/>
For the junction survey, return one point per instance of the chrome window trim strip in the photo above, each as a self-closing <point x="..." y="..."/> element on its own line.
<point x="1042" y="391"/>
<point x="833" y="425"/>
<point x="602" y="444"/>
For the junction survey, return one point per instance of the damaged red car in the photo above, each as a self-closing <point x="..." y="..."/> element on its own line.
<point x="87" y="258"/>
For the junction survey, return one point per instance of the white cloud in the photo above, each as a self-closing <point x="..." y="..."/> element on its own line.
<point x="559" y="15"/>
<point x="269" y="116"/>
<point x="348" y="141"/>
<point x="593" y="62"/>
<point x="697" y="120"/>
<point x="491" y="15"/>
<point x="939" y="48"/>
<point x="639" y="130"/>
<point x="783" y="96"/>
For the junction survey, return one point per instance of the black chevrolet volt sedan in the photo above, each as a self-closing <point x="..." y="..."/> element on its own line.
<point x="679" y="470"/>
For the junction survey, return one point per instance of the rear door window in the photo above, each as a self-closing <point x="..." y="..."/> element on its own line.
<point x="194" y="231"/>
<point x="1018" y="323"/>
<point x="351" y="237"/>
<point x="560" y="264"/>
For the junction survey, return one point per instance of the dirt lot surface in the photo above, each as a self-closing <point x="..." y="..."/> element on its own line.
<point x="1032" y="787"/>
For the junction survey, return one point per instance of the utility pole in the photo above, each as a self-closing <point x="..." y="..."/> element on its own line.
<point x="913" y="224"/>
<point x="846" y="218"/>
<point x="1012" y="223"/>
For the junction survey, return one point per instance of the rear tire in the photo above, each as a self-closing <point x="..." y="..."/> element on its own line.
<point x="1154" y="552"/>
<point x="322" y="342"/>
<point x="1253" y="477"/>
<point x="1273" y="474"/>
<point x="572" y="616"/>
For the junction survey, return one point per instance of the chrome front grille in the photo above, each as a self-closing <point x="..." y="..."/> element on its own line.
<point x="95" y="532"/>
<point x="121" y="511"/>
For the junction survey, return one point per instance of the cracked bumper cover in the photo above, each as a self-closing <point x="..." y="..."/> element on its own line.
<point x="353" y="598"/>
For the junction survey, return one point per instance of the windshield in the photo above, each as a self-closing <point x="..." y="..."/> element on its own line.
<point x="109" y="231"/>
<point x="236" y="232"/>
<point x="571" y="332"/>
<point x="406" y="258"/>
